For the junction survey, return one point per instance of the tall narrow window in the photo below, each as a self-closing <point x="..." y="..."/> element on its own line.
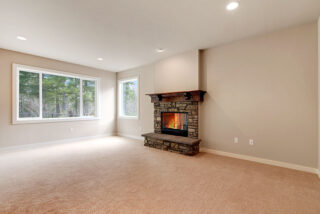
<point x="44" y="95"/>
<point x="128" y="98"/>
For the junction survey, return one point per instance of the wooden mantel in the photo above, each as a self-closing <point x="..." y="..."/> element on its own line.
<point x="196" y="95"/>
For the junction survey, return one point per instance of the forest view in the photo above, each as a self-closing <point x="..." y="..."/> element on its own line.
<point x="89" y="97"/>
<point x="29" y="102"/>
<point x="60" y="96"/>
<point x="129" y="98"/>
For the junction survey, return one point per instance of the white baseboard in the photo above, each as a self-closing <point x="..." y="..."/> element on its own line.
<point x="264" y="161"/>
<point x="48" y="143"/>
<point x="130" y="136"/>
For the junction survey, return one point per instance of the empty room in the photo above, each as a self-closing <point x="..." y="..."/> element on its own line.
<point x="160" y="107"/>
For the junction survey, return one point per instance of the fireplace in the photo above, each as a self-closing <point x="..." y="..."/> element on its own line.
<point x="176" y="126"/>
<point x="174" y="123"/>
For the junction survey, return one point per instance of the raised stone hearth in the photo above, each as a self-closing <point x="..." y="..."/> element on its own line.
<point x="182" y="109"/>
<point x="178" y="144"/>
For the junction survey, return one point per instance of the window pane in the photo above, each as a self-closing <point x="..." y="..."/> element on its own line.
<point x="129" y="98"/>
<point x="89" y="97"/>
<point x="60" y="96"/>
<point x="29" y="104"/>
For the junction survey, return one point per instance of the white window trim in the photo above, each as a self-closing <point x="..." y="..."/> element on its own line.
<point x="15" y="95"/>
<point x="120" y="81"/>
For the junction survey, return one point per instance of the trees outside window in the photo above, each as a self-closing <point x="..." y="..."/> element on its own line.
<point x="44" y="95"/>
<point x="89" y="97"/>
<point x="29" y="102"/>
<point x="60" y="96"/>
<point x="128" y="98"/>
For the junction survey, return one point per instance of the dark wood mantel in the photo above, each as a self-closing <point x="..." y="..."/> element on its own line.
<point x="196" y="95"/>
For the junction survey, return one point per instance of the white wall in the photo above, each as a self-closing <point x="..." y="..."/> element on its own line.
<point x="22" y="134"/>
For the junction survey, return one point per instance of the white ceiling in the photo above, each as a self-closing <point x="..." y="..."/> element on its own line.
<point x="125" y="33"/>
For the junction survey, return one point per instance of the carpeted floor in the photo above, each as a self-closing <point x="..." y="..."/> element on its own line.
<point x="119" y="175"/>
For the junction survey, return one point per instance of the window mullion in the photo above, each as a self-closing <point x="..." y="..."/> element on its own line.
<point x="81" y="99"/>
<point x="40" y="95"/>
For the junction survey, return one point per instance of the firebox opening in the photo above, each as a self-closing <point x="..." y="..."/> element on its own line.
<point x="175" y="123"/>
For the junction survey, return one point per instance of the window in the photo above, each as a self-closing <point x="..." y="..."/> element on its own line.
<point x="42" y="95"/>
<point x="89" y="97"/>
<point x="60" y="96"/>
<point x="128" y="98"/>
<point x="29" y="102"/>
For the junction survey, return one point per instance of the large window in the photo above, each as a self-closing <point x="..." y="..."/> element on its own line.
<point x="128" y="98"/>
<point x="44" y="95"/>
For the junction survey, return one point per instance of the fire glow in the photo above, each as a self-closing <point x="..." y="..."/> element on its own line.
<point x="174" y="121"/>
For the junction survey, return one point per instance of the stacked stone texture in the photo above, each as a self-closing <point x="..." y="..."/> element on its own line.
<point x="172" y="147"/>
<point x="189" y="107"/>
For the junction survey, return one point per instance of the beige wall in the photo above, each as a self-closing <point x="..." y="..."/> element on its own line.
<point x="170" y="72"/>
<point x="177" y="73"/>
<point x="319" y="96"/>
<point x="144" y="123"/>
<point x="263" y="88"/>
<point x="14" y="135"/>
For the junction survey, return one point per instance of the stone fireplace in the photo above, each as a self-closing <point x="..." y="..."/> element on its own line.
<point x="189" y="108"/>
<point x="176" y="122"/>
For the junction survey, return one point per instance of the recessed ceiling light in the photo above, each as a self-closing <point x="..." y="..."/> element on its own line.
<point x="21" y="38"/>
<point x="232" y="5"/>
<point x="160" y="50"/>
<point x="99" y="59"/>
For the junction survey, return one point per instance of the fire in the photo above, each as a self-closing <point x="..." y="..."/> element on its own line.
<point x="173" y="120"/>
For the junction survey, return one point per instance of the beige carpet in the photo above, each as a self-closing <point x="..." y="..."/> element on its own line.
<point x="118" y="175"/>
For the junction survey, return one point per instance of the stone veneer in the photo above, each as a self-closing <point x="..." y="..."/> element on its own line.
<point x="172" y="146"/>
<point x="190" y="107"/>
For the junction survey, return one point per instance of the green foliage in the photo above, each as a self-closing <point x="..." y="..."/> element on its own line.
<point x="130" y="98"/>
<point x="88" y="94"/>
<point x="60" y="96"/>
<point x="28" y="94"/>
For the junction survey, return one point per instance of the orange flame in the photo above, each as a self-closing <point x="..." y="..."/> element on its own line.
<point x="173" y="120"/>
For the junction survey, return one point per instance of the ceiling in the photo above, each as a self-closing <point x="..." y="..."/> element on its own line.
<point x="125" y="33"/>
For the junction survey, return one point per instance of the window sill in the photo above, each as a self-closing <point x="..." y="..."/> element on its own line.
<point x="121" y="117"/>
<point x="54" y="120"/>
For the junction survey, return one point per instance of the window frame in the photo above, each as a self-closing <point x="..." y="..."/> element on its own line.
<point x="120" y="83"/>
<point x="16" y="68"/>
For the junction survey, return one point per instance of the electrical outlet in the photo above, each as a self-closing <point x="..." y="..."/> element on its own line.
<point x="236" y="140"/>
<point x="251" y="142"/>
